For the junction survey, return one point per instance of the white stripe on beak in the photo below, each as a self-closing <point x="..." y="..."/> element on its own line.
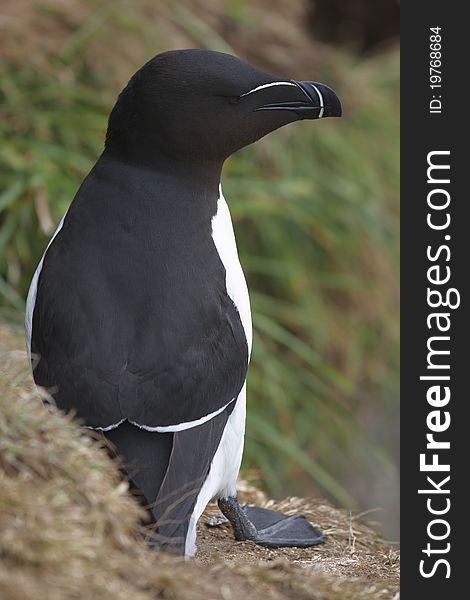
<point x="266" y="85"/>
<point x="320" y="97"/>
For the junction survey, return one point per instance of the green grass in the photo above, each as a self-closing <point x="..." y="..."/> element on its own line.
<point x="315" y="208"/>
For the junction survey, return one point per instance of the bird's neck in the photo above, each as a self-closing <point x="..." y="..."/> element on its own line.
<point x="197" y="179"/>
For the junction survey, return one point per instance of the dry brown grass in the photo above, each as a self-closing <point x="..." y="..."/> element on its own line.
<point x="38" y="31"/>
<point x="70" y="529"/>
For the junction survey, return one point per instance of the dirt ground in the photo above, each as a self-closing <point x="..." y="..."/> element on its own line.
<point x="352" y="555"/>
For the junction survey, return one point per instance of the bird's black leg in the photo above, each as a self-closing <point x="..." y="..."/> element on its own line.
<point x="243" y="528"/>
<point x="268" y="527"/>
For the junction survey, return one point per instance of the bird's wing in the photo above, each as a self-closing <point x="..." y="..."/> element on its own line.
<point x="136" y="323"/>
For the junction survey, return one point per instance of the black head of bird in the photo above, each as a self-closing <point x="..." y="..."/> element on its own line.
<point x="205" y="105"/>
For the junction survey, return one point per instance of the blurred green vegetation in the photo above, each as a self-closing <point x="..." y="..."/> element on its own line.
<point x="315" y="208"/>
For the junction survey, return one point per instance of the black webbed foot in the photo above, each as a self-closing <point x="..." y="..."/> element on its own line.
<point x="268" y="527"/>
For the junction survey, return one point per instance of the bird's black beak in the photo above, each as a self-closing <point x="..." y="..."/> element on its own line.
<point x="316" y="101"/>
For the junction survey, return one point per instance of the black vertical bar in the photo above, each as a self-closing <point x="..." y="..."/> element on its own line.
<point x="423" y="132"/>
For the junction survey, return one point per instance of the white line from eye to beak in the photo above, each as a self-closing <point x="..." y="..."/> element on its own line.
<point x="320" y="97"/>
<point x="266" y="85"/>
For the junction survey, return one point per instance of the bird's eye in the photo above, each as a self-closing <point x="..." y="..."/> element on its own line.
<point x="229" y="99"/>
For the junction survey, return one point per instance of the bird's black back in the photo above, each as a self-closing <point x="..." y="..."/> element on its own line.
<point x="132" y="317"/>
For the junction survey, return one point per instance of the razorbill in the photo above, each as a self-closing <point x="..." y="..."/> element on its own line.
<point x="138" y="316"/>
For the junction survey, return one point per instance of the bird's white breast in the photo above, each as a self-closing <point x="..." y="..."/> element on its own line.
<point x="224" y="240"/>
<point x="33" y="289"/>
